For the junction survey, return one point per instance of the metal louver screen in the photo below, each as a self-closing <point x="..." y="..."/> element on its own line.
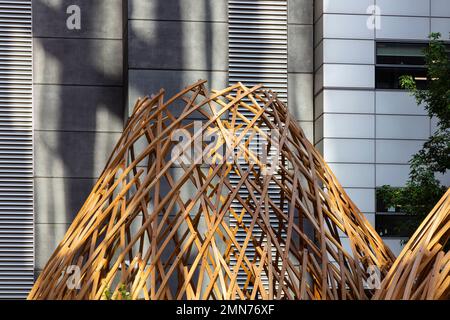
<point x="257" y="55"/>
<point x="16" y="150"/>
<point x="258" y="43"/>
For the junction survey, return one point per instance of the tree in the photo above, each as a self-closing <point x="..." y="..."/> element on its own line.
<point x="422" y="190"/>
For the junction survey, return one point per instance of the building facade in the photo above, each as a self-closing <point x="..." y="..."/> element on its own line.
<point x="366" y="127"/>
<point x="334" y="62"/>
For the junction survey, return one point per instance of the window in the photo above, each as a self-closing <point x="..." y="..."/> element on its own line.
<point x="397" y="59"/>
<point x="392" y="222"/>
<point x="395" y="225"/>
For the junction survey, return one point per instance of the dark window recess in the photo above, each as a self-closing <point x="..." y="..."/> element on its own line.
<point x="397" y="59"/>
<point x="391" y="222"/>
<point x="389" y="77"/>
<point x="395" y="224"/>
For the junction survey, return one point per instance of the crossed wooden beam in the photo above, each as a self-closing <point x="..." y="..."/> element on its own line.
<point x="230" y="213"/>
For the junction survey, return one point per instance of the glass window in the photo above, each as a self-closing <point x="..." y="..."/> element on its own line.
<point x="391" y="222"/>
<point x="395" y="224"/>
<point x="397" y="59"/>
<point x="400" y="53"/>
<point x="389" y="77"/>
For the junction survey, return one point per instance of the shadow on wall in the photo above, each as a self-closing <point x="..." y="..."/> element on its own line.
<point x="78" y="86"/>
<point x="169" y="45"/>
<point x="78" y="104"/>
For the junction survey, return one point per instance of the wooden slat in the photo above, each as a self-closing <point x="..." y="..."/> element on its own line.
<point x="422" y="271"/>
<point x="160" y="227"/>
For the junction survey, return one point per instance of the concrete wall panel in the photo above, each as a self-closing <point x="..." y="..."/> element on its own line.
<point x="300" y="99"/>
<point x="145" y="82"/>
<point x="72" y="154"/>
<point x="300" y="11"/>
<point x="190" y="10"/>
<point x="86" y="108"/>
<point x="99" y="19"/>
<point x="300" y="48"/>
<point x="58" y="200"/>
<point x="77" y="61"/>
<point x="178" y="45"/>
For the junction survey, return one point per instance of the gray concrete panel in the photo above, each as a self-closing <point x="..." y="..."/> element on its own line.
<point x="58" y="200"/>
<point x="77" y="61"/>
<point x="186" y="10"/>
<point x="78" y="108"/>
<point x="300" y="11"/>
<point x="72" y="154"/>
<point x="98" y="19"/>
<point x="178" y="45"/>
<point x="300" y="48"/>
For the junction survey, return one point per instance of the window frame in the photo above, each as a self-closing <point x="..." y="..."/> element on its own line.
<point x="379" y="66"/>
<point x="389" y="66"/>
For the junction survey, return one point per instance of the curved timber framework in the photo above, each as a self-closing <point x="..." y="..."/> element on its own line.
<point x="157" y="223"/>
<point x="422" y="271"/>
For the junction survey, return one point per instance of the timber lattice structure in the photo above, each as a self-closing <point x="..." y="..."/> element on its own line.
<point x="160" y="227"/>
<point x="422" y="271"/>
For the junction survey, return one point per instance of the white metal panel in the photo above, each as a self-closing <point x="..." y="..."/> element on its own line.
<point x="349" y="76"/>
<point x="345" y="6"/>
<point x="16" y="150"/>
<point x="402" y="127"/>
<point x="406" y="28"/>
<point x="346" y="26"/>
<point x="354" y="175"/>
<point x="337" y="51"/>
<point x="441" y="25"/>
<point x="397" y="102"/>
<point x="440" y="8"/>
<point x="404" y="7"/>
<point x="348" y="101"/>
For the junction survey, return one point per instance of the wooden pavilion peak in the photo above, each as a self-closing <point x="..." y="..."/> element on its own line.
<point x="158" y="226"/>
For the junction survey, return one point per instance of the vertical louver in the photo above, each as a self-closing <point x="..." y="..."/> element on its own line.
<point x="257" y="55"/>
<point x="258" y="43"/>
<point x="16" y="150"/>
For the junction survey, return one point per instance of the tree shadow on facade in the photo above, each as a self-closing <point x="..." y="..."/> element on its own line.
<point x="78" y="107"/>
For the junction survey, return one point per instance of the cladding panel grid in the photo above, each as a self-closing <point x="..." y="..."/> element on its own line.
<point x="16" y="150"/>
<point x="258" y="55"/>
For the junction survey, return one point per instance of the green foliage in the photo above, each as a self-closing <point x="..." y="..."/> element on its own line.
<point x="107" y="294"/>
<point x="122" y="293"/>
<point x="422" y="191"/>
<point x="418" y="197"/>
<point x="437" y="98"/>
